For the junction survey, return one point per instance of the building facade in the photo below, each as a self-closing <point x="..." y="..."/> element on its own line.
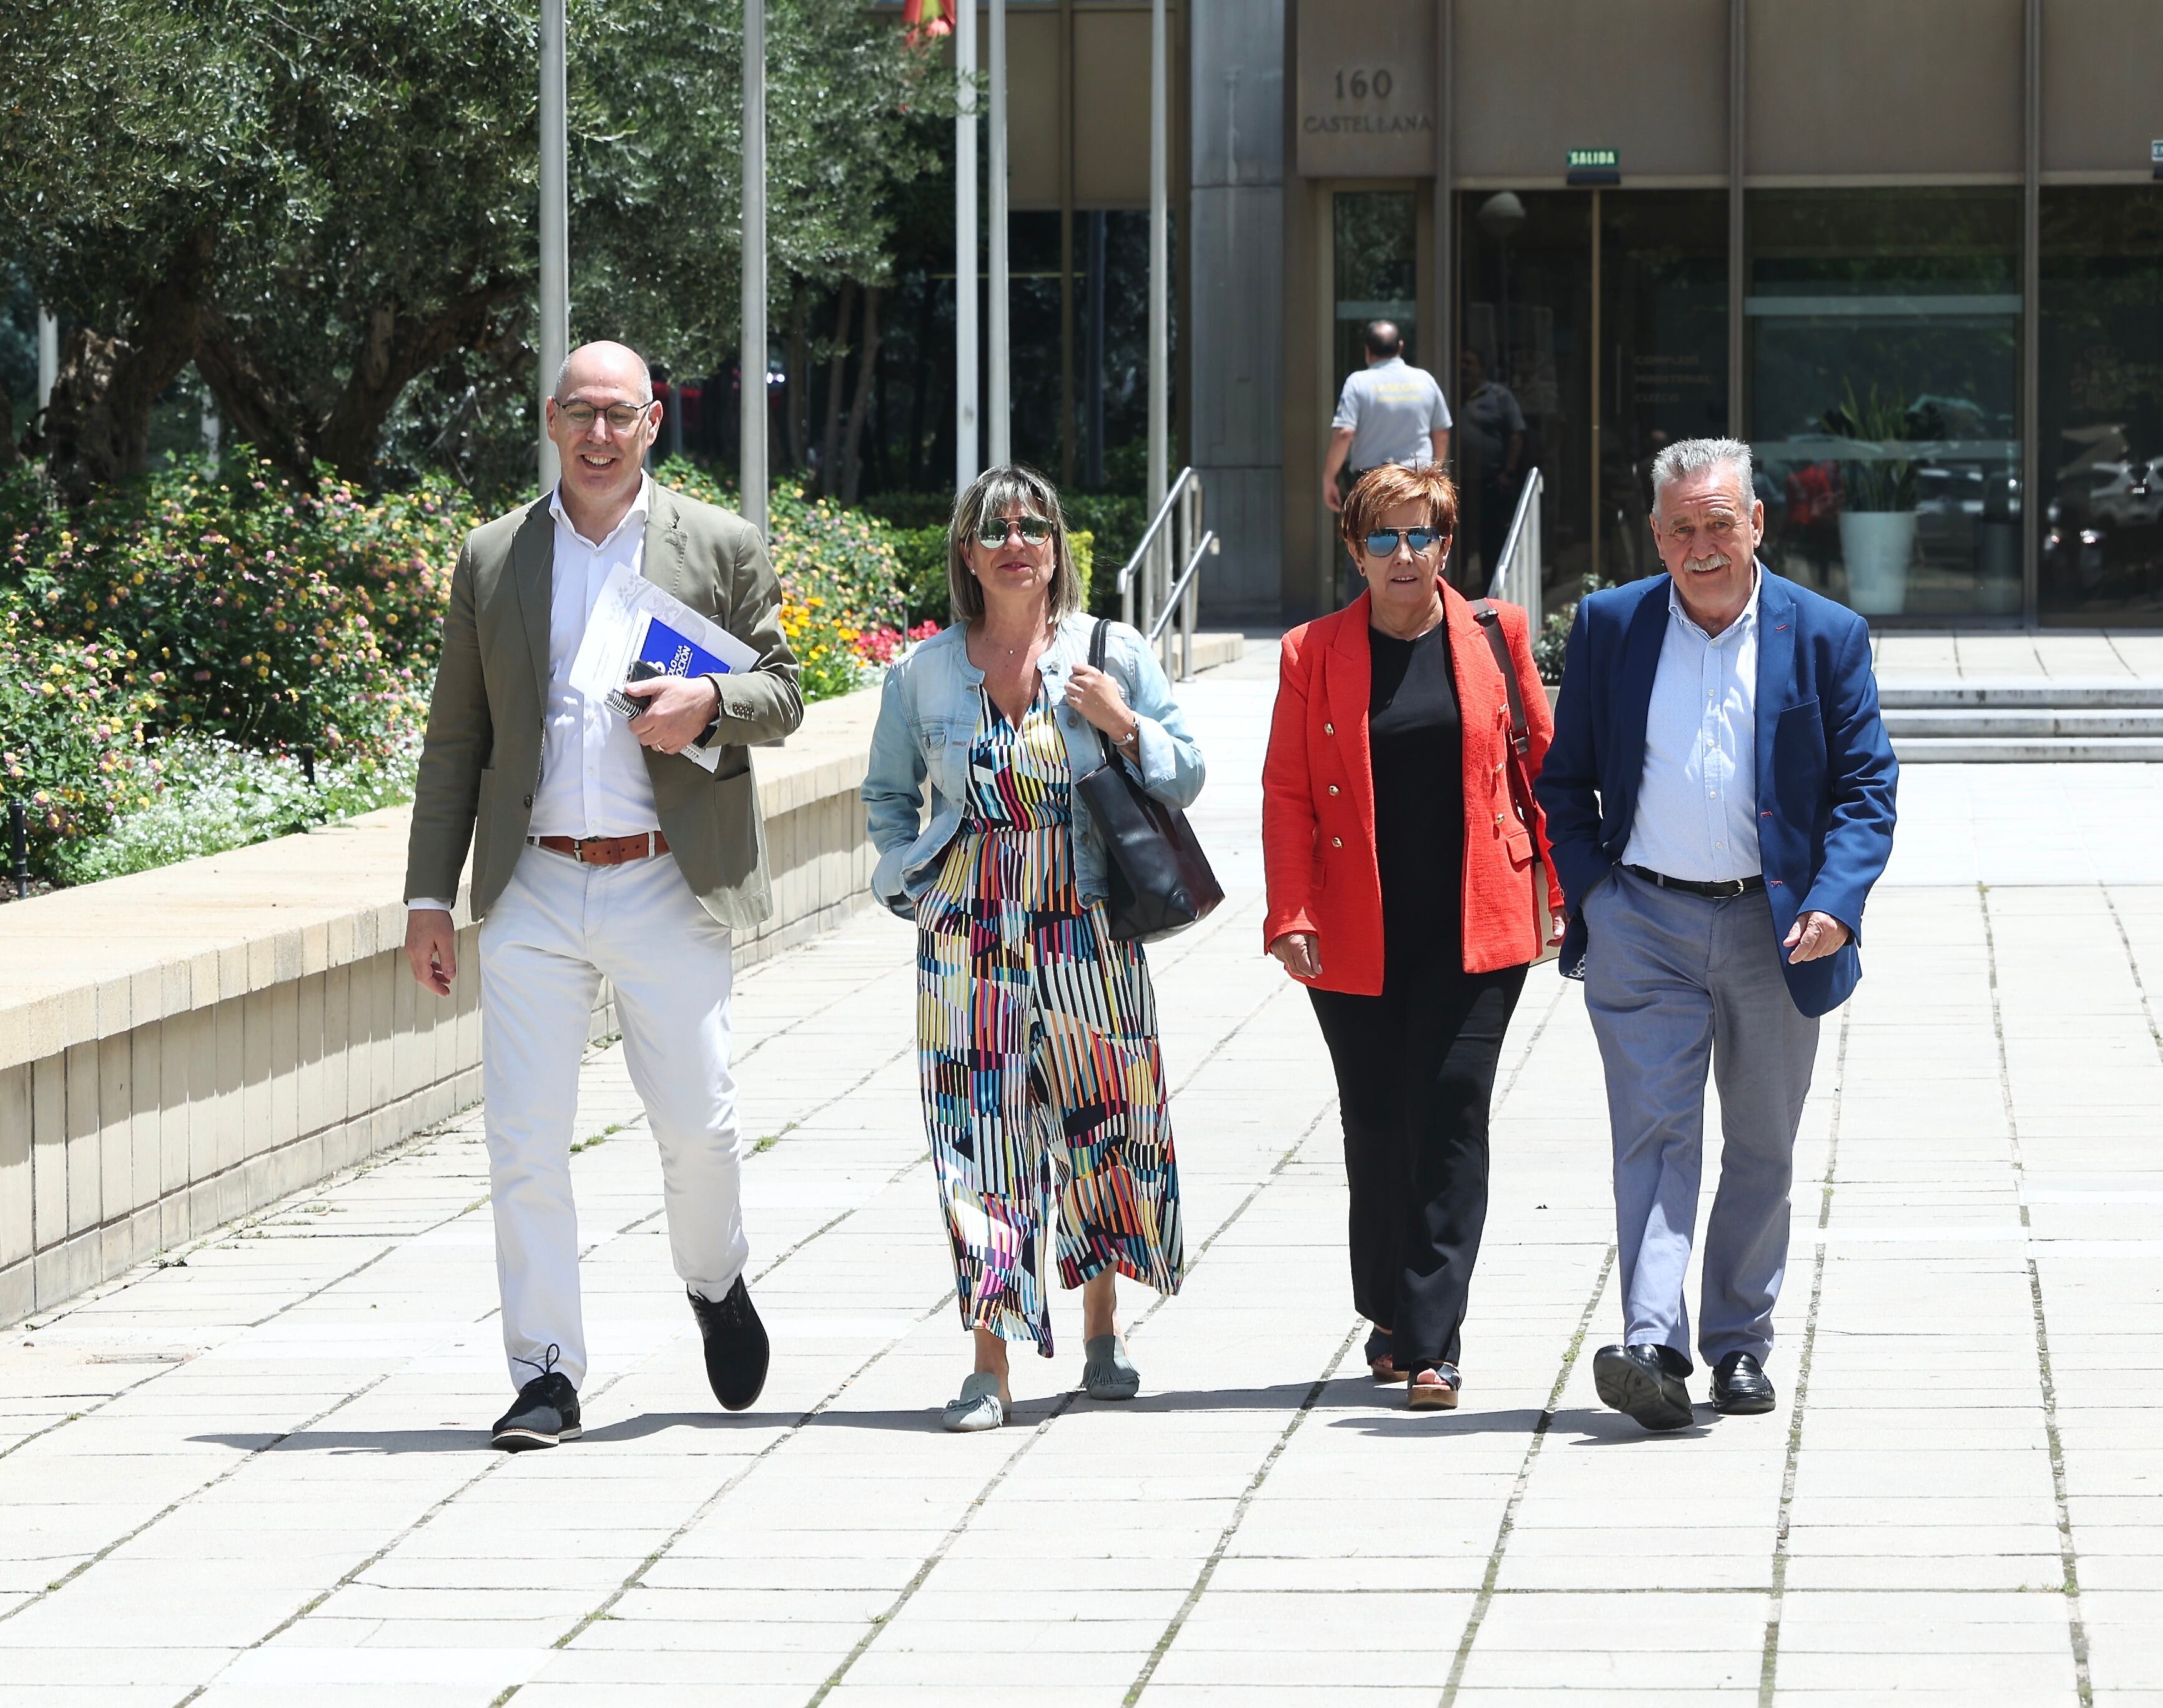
<point x="1912" y="252"/>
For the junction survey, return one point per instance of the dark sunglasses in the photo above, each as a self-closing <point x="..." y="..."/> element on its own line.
<point x="1382" y="542"/>
<point x="992" y="531"/>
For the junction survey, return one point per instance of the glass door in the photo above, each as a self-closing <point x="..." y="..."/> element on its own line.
<point x="1374" y="275"/>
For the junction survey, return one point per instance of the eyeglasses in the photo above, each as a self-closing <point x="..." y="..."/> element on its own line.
<point x="1382" y="542"/>
<point x="994" y="530"/>
<point x="622" y="417"/>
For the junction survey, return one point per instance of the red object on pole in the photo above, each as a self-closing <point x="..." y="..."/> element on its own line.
<point x="926" y="20"/>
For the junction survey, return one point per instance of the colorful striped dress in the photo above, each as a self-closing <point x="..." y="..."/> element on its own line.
<point x="1044" y="1090"/>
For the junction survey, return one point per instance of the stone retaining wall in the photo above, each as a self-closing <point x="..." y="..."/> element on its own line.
<point x="181" y="1048"/>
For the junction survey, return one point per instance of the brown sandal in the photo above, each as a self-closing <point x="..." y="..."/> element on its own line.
<point x="1379" y="1360"/>
<point x="1439" y="1395"/>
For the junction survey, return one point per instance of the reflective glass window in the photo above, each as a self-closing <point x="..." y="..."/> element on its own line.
<point x="1883" y="342"/>
<point x="2100" y="404"/>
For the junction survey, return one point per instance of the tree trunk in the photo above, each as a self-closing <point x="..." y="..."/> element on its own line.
<point x="395" y="349"/>
<point x="9" y="454"/>
<point x="799" y="377"/>
<point x="258" y="409"/>
<point x="837" y="364"/>
<point x="97" y="429"/>
<point x="269" y="409"/>
<point x="852" y="468"/>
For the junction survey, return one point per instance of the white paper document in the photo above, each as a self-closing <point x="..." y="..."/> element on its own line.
<point x="632" y="619"/>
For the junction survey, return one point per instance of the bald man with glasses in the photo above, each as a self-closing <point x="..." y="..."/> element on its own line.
<point x="601" y="849"/>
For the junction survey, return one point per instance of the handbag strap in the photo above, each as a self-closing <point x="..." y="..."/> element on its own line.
<point x="1491" y="619"/>
<point x="1099" y="637"/>
<point x="1520" y="735"/>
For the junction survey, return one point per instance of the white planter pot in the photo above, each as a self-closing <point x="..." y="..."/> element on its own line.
<point x="1878" y="546"/>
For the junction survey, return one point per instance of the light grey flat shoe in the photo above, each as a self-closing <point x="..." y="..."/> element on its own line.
<point x="977" y="1408"/>
<point x="1107" y="1373"/>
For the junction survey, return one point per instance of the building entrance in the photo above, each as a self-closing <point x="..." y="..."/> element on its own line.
<point x="1595" y="331"/>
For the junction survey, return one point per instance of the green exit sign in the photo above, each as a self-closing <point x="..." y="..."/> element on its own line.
<point x="1595" y="166"/>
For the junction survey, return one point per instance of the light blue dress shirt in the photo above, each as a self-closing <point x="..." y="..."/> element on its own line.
<point x="1697" y="804"/>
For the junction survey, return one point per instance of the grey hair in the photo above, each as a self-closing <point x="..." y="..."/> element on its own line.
<point x="988" y="495"/>
<point x="1687" y="457"/>
<point x="563" y="373"/>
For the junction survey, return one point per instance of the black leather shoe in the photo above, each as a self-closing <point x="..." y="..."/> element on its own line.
<point x="546" y="1411"/>
<point x="1740" y="1386"/>
<point x="737" y="1351"/>
<point x="1644" y="1383"/>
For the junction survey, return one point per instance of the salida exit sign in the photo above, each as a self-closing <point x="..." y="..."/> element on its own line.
<point x="1595" y="166"/>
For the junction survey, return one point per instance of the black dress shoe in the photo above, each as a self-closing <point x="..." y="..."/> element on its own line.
<point x="1740" y="1385"/>
<point x="1644" y="1383"/>
<point x="737" y="1351"/>
<point x="546" y="1411"/>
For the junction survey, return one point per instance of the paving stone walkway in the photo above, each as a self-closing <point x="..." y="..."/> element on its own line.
<point x="258" y="1476"/>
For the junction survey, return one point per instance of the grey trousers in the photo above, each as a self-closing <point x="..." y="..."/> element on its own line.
<point x="1675" y="983"/>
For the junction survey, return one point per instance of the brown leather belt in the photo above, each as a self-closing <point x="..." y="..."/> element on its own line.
<point x="604" y="850"/>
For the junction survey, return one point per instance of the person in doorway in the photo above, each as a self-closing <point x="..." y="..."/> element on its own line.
<point x="1399" y="878"/>
<point x="1043" y="1083"/>
<point x="1493" y="453"/>
<point x="1388" y="412"/>
<point x="599" y="850"/>
<point x="1720" y="795"/>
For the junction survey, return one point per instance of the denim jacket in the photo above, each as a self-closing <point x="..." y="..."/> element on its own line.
<point x="927" y="723"/>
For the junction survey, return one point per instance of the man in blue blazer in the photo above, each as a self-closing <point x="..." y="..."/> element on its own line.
<point x="1720" y="797"/>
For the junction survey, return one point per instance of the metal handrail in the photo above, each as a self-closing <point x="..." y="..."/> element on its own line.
<point x="1175" y="599"/>
<point x="1174" y="537"/>
<point x="1522" y="541"/>
<point x="1186" y="479"/>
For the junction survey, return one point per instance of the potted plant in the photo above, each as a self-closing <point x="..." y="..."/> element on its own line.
<point x="1878" y="507"/>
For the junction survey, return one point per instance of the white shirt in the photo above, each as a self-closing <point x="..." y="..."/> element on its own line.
<point x="594" y="780"/>
<point x="1697" y="800"/>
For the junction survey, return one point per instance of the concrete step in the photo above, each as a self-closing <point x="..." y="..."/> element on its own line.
<point x="2037" y="750"/>
<point x="2115" y="692"/>
<point x="1993" y="723"/>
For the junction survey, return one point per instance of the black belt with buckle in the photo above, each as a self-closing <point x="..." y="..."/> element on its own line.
<point x="1720" y="890"/>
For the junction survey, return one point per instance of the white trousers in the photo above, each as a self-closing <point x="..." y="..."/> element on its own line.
<point x="558" y="929"/>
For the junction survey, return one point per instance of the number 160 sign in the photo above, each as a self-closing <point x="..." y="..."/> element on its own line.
<point x="1357" y="85"/>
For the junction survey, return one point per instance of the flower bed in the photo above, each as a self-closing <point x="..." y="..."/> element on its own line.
<point x="183" y="649"/>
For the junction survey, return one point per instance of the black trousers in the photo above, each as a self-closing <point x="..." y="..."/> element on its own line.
<point x="1414" y="1076"/>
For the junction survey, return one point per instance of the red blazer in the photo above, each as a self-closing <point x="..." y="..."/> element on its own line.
<point x="1318" y="799"/>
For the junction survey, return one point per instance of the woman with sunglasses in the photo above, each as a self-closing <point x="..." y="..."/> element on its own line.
<point x="1400" y="880"/>
<point x="1043" y="1088"/>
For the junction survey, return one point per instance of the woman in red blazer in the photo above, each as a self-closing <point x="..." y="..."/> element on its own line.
<point x="1401" y="893"/>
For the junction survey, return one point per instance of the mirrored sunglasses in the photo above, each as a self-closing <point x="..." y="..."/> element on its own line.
<point x="1382" y="542"/>
<point x="992" y="531"/>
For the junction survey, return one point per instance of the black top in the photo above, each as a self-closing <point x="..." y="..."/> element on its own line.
<point x="1416" y="738"/>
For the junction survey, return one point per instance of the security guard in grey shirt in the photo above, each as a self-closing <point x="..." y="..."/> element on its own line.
<point x="1389" y="412"/>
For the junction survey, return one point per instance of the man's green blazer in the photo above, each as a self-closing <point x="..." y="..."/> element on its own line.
<point x="482" y="761"/>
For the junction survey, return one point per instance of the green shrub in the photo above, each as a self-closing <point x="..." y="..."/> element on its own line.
<point x="171" y="645"/>
<point x="1551" y="644"/>
<point x="842" y="599"/>
<point x="211" y="796"/>
<point x="255" y="610"/>
<point x="71" y="738"/>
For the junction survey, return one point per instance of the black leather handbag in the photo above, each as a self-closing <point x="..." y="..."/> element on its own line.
<point x="1159" y="879"/>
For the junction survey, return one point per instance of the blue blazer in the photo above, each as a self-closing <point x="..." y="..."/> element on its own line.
<point x="1826" y="771"/>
